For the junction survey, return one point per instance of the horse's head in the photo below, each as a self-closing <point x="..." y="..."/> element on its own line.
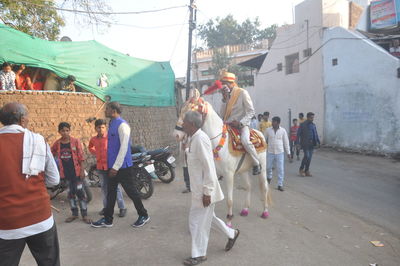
<point x="194" y="103"/>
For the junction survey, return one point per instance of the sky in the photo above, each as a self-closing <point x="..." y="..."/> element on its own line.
<point x="163" y="36"/>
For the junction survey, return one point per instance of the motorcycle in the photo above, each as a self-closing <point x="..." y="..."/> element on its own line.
<point x="164" y="162"/>
<point x="63" y="185"/>
<point x="142" y="171"/>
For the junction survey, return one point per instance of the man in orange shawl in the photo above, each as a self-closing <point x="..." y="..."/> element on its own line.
<point x="237" y="110"/>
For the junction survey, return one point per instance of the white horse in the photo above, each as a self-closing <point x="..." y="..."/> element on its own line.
<point x="228" y="165"/>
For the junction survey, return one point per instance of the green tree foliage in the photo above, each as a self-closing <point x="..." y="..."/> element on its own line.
<point x="228" y="31"/>
<point x="218" y="32"/>
<point x="39" y="18"/>
<point x="34" y="17"/>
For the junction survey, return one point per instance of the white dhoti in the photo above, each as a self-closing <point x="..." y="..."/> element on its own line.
<point x="248" y="146"/>
<point x="200" y="220"/>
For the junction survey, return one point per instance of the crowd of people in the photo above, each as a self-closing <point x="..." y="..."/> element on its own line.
<point x="303" y="136"/>
<point x="26" y="217"/>
<point x="21" y="77"/>
<point x="33" y="223"/>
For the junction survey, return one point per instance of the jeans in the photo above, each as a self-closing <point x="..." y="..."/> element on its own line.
<point x="75" y="191"/>
<point x="305" y="163"/>
<point x="186" y="177"/>
<point x="104" y="188"/>
<point x="293" y="146"/>
<point x="125" y="177"/>
<point x="279" y="160"/>
<point x="43" y="246"/>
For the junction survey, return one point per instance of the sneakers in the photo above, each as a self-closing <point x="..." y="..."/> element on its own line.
<point x="302" y="173"/>
<point x="142" y="220"/>
<point x="122" y="213"/>
<point x="280" y="188"/>
<point x="101" y="223"/>
<point x="308" y="173"/>
<point x="257" y="169"/>
<point x="187" y="190"/>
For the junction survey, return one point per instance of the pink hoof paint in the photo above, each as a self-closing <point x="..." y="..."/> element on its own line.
<point x="265" y="215"/>
<point x="244" y="212"/>
<point x="229" y="224"/>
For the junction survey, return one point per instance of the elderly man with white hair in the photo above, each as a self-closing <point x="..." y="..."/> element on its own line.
<point x="205" y="188"/>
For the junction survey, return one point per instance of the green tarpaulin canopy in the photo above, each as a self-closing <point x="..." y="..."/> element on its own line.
<point x="129" y="80"/>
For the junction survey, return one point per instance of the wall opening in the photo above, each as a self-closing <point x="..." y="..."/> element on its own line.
<point x="292" y="63"/>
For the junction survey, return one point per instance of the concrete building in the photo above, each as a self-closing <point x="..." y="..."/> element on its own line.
<point x="202" y="60"/>
<point x="323" y="64"/>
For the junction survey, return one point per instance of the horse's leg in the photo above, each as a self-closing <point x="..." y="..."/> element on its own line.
<point x="246" y="179"/>
<point x="264" y="191"/>
<point x="229" y="201"/>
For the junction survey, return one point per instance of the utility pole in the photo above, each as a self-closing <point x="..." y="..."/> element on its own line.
<point x="308" y="44"/>
<point x="192" y="26"/>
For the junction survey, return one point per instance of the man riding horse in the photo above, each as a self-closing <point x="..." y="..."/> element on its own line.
<point x="237" y="110"/>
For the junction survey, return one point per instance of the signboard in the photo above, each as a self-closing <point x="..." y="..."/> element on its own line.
<point x="385" y="14"/>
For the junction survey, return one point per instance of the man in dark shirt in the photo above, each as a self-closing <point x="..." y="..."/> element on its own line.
<point x="307" y="137"/>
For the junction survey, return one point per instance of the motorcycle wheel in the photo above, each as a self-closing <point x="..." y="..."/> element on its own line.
<point x="164" y="171"/>
<point x="94" y="178"/>
<point x="88" y="191"/>
<point x="144" y="184"/>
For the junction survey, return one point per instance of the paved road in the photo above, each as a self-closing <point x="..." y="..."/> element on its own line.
<point x="327" y="219"/>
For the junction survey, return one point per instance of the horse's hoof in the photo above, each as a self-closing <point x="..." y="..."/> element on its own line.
<point x="229" y="224"/>
<point x="244" y="212"/>
<point x="265" y="215"/>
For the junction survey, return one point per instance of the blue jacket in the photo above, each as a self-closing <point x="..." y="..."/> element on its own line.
<point x="307" y="135"/>
<point x="114" y="144"/>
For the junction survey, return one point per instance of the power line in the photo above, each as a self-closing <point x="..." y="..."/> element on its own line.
<point x="142" y="27"/>
<point x="179" y="36"/>
<point x="103" y="12"/>
<point x="319" y="48"/>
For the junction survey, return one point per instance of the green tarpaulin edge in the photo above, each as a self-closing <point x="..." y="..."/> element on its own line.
<point x="131" y="81"/>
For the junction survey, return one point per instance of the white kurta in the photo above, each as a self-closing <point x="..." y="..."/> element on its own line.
<point x="203" y="181"/>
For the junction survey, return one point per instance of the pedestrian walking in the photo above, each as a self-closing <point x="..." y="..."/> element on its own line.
<point x="206" y="191"/>
<point x="278" y="142"/>
<point x="308" y="138"/>
<point x="68" y="150"/>
<point x="265" y="123"/>
<point x="301" y="118"/>
<point x="98" y="147"/>
<point x="27" y="166"/>
<point x="293" y="141"/>
<point x="119" y="162"/>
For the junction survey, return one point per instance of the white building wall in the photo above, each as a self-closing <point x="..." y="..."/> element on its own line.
<point x="275" y="91"/>
<point x="362" y="93"/>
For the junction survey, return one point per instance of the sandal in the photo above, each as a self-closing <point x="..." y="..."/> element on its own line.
<point x="194" y="261"/>
<point x="86" y="220"/>
<point x="71" y="218"/>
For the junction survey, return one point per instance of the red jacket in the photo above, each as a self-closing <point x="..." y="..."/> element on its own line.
<point x="77" y="155"/>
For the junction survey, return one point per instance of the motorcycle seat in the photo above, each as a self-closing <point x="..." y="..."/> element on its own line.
<point x="157" y="152"/>
<point x="138" y="156"/>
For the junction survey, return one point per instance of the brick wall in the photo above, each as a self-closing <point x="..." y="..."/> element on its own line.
<point x="151" y="126"/>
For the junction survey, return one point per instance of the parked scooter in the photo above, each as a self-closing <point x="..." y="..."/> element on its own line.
<point x="164" y="162"/>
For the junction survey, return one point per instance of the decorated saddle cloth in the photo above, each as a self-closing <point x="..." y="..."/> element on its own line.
<point x="235" y="145"/>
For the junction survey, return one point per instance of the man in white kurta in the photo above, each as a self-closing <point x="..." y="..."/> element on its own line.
<point x="205" y="188"/>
